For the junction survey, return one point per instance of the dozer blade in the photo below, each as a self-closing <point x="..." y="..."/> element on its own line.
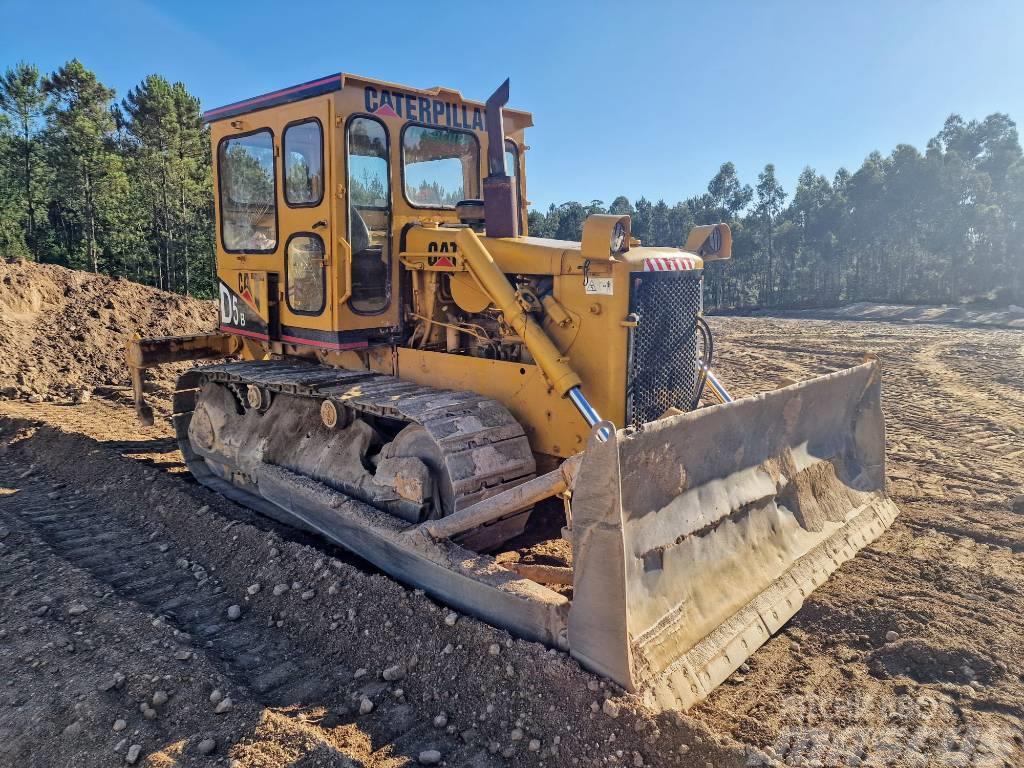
<point x="700" y="535"/>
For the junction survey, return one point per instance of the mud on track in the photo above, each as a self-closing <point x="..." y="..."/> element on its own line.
<point x="95" y="512"/>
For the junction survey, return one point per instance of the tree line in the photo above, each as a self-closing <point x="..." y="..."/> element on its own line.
<point x="939" y="227"/>
<point x="123" y="187"/>
<point x="118" y="187"/>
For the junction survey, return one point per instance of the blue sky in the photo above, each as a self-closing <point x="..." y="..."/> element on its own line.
<point x="628" y="98"/>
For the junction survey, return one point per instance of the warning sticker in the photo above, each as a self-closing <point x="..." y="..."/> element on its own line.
<point x="669" y="264"/>
<point x="599" y="286"/>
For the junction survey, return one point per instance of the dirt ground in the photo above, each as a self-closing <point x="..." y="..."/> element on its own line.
<point x="119" y="576"/>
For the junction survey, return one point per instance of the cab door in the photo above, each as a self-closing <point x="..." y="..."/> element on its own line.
<point x="306" y="294"/>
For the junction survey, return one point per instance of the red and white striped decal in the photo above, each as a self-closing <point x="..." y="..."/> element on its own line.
<point x="669" y="264"/>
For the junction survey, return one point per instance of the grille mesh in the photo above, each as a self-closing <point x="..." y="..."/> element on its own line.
<point x="662" y="371"/>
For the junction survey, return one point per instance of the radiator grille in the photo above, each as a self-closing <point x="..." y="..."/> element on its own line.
<point x="663" y="356"/>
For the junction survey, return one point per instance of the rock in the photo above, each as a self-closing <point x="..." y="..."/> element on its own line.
<point x="359" y="673"/>
<point x="441" y="720"/>
<point x="133" y="754"/>
<point x="309" y="594"/>
<point x="365" y="706"/>
<point x="120" y="725"/>
<point x="684" y="748"/>
<point x="73" y="730"/>
<point x="429" y="757"/>
<point x="534" y="745"/>
<point x="494" y="649"/>
<point x="393" y="673"/>
<point x="4" y="532"/>
<point x="638" y="760"/>
<point x="252" y="589"/>
<point x="517" y="734"/>
<point x="451" y="618"/>
<point x="794" y="647"/>
<point x="115" y="681"/>
<point x="891" y="636"/>
<point x="234" y="612"/>
<point x="216" y="696"/>
<point x="610" y="708"/>
<point x="280" y="589"/>
<point x="149" y="713"/>
<point x="77" y="609"/>
<point x="224" y="705"/>
<point x="183" y="655"/>
<point x="159" y="697"/>
<point x="1017" y="504"/>
<point x="206" y="746"/>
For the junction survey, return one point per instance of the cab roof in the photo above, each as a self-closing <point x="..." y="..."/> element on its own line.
<point x="337" y="82"/>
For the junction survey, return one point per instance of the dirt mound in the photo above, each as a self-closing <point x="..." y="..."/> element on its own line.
<point x="63" y="332"/>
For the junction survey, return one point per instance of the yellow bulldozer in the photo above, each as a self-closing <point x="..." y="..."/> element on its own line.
<point x="411" y="375"/>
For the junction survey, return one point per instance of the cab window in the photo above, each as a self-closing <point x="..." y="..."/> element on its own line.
<point x="304" y="274"/>
<point x="248" y="211"/>
<point x="303" y="163"/>
<point x="369" y="215"/>
<point x="441" y="166"/>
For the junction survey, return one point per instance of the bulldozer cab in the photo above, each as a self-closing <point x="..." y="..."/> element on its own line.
<point x="313" y="187"/>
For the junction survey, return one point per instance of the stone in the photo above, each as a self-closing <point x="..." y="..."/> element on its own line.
<point x="359" y="673"/>
<point x="534" y="745"/>
<point x="429" y="757"/>
<point x="365" y="706"/>
<point x="1017" y="504"/>
<point x="73" y="730"/>
<point x="160" y="697"/>
<point x="610" y="708"/>
<point x="794" y="647"/>
<point x="252" y="589"/>
<point x="119" y="747"/>
<point x="133" y="754"/>
<point x="77" y="609"/>
<point x="216" y="696"/>
<point x="309" y="594"/>
<point x="206" y="746"/>
<point x="451" y="618"/>
<point x="891" y="636"/>
<point x="149" y="713"/>
<point x="441" y="720"/>
<point x="224" y="705"/>
<point x="638" y="760"/>
<point x="494" y="649"/>
<point x="234" y="612"/>
<point x="120" y="725"/>
<point x="280" y="589"/>
<point x="393" y="673"/>
<point x="183" y="655"/>
<point x="116" y="681"/>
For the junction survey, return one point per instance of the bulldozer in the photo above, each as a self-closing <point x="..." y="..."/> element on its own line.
<point x="400" y="367"/>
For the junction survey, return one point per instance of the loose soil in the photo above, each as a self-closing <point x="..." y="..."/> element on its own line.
<point x="117" y="572"/>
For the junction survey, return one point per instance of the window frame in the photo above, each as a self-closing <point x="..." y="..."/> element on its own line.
<point x="284" y="162"/>
<point x="390" y="209"/>
<point x="287" y="277"/>
<point x="220" y="197"/>
<point x="405" y="191"/>
<point x="520" y="203"/>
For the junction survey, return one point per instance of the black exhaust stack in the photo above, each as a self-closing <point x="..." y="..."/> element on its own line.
<point x="499" y="189"/>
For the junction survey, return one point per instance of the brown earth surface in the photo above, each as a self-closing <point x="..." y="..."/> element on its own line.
<point x="117" y="572"/>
